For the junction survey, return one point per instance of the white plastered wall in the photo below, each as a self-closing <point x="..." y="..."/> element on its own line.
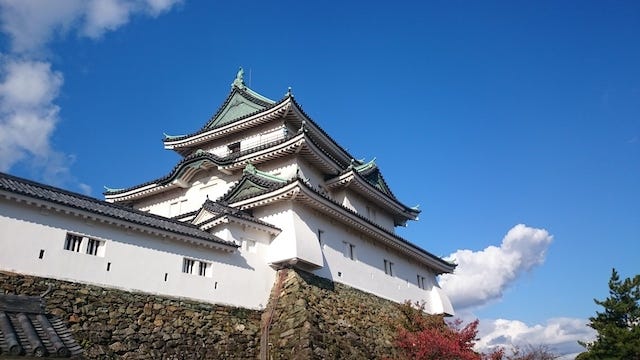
<point x="135" y="260"/>
<point x="367" y="270"/>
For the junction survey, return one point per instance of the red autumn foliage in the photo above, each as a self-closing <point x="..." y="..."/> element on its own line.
<point x="429" y="337"/>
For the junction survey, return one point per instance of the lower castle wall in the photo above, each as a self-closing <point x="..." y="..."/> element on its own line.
<point x="312" y="318"/>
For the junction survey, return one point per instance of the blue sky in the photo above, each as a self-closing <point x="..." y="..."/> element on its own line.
<point x="487" y="114"/>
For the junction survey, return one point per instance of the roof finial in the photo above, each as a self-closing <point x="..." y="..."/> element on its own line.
<point x="288" y="94"/>
<point x="239" y="80"/>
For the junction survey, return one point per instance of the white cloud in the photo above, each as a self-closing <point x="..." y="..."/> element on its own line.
<point x="27" y="113"/>
<point x="559" y="335"/>
<point x="483" y="276"/>
<point x="31" y="24"/>
<point x="104" y="15"/>
<point x="29" y="86"/>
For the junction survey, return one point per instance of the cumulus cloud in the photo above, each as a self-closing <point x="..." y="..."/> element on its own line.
<point x="483" y="276"/>
<point x="31" y="24"/>
<point x="29" y="85"/>
<point x="559" y="335"/>
<point x="27" y="113"/>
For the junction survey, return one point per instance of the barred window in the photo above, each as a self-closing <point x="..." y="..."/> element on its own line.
<point x="92" y="246"/>
<point x="202" y="268"/>
<point x="73" y="242"/>
<point x="187" y="266"/>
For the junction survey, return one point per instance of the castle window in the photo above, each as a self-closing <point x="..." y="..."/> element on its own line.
<point x="372" y="214"/>
<point x="187" y="266"/>
<point x="350" y="251"/>
<point x="203" y="268"/>
<point x="249" y="245"/>
<point x="388" y="267"/>
<point x="234" y="148"/>
<point x="320" y="232"/>
<point x="421" y="281"/>
<point x="200" y="268"/>
<point x="73" y="242"/>
<point x="93" y="247"/>
<point x="176" y="208"/>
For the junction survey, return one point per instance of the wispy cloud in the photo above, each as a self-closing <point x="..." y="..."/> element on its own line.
<point x="29" y="85"/>
<point x="482" y="276"/>
<point x="559" y="335"/>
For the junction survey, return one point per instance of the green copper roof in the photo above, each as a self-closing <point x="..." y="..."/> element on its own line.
<point x="246" y="189"/>
<point x="169" y="137"/>
<point x="366" y="166"/>
<point x="253" y="182"/>
<point x="371" y="173"/>
<point x="241" y="102"/>
<point x="250" y="169"/>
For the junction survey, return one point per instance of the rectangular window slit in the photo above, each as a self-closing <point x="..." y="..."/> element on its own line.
<point x="108" y="266"/>
<point x="215" y="285"/>
<point x="388" y="267"/>
<point x="165" y="276"/>
<point x="41" y="254"/>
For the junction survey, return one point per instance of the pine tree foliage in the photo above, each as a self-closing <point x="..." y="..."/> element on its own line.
<point x="618" y="326"/>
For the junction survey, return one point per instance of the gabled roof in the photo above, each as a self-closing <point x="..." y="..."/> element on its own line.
<point x="19" y="189"/>
<point x="371" y="173"/>
<point x="253" y="182"/>
<point x="213" y="213"/>
<point x="27" y="330"/>
<point x="367" y="179"/>
<point x="240" y="103"/>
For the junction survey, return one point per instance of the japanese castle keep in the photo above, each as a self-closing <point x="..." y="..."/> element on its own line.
<point x="258" y="188"/>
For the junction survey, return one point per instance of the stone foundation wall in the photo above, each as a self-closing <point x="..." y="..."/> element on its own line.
<point x="316" y="318"/>
<point x="110" y="323"/>
<point x="312" y="318"/>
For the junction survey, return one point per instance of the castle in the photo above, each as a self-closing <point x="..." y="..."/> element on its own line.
<point x="260" y="187"/>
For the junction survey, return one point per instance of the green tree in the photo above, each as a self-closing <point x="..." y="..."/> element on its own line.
<point x="618" y="326"/>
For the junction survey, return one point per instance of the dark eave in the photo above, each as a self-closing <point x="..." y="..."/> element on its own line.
<point x="12" y="185"/>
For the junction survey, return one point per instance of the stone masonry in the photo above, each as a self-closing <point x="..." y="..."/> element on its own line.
<point x="312" y="318"/>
